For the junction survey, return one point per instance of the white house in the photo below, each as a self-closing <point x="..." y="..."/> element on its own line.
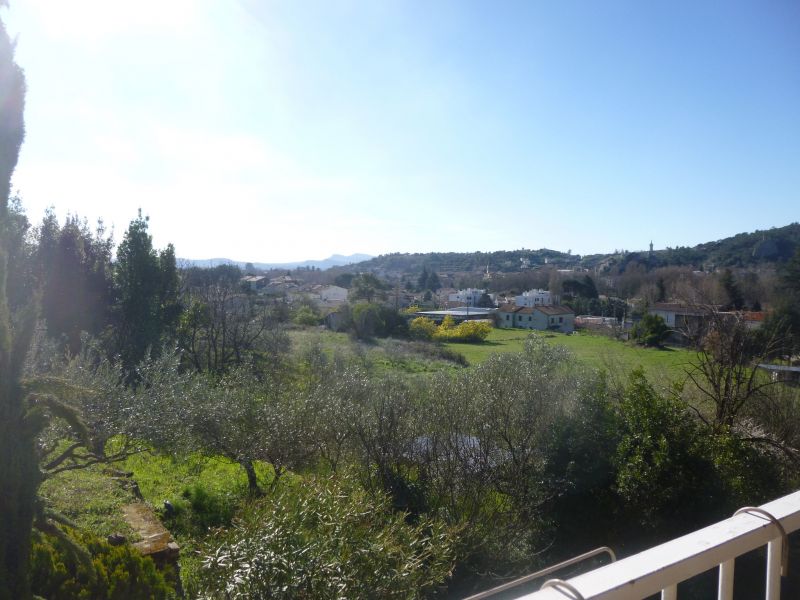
<point x="333" y="294"/>
<point x="468" y="297"/>
<point x="536" y="298"/>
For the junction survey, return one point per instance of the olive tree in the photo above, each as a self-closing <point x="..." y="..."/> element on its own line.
<point x="327" y="539"/>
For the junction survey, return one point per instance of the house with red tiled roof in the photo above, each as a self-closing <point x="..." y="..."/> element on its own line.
<point x="540" y="318"/>
<point x="753" y="319"/>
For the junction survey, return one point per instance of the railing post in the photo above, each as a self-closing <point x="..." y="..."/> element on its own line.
<point x="670" y="593"/>
<point x="726" y="580"/>
<point x="774" y="569"/>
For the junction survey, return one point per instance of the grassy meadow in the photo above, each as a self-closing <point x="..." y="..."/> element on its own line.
<point x="615" y="356"/>
<point x="618" y="358"/>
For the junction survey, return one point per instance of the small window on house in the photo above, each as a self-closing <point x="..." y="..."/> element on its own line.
<point x="560" y="319"/>
<point x="530" y="318"/>
<point x="507" y="317"/>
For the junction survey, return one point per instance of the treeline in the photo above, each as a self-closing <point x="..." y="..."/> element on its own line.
<point x="745" y="250"/>
<point x="135" y="301"/>
<point x="130" y="300"/>
<point x="501" y="260"/>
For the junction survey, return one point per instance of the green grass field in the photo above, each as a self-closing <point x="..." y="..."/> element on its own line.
<point x="385" y="355"/>
<point x="616" y="357"/>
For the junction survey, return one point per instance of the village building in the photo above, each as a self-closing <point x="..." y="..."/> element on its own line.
<point x="536" y="298"/>
<point x="333" y="295"/>
<point x="680" y="316"/>
<point x="254" y="283"/>
<point x="540" y="318"/>
<point x="467" y="297"/>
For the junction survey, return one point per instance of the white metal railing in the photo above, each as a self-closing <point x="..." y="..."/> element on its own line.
<point x="661" y="568"/>
<point x="544" y="572"/>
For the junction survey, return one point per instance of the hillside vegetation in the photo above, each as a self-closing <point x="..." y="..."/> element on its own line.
<point x="761" y="247"/>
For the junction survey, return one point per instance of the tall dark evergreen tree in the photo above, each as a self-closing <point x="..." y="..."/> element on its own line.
<point x="169" y="294"/>
<point x="589" y="288"/>
<point x="422" y="282"/>
<point x="74" y="268"/>
<point x="19" y="470"/>
<point x="433" y="281"/>
<point x="146" y="284"/>
<point x="138" y="286"/>
<point x="661" y="289"/>
<point x="731" y="287"/>
<point x="21" y="280"/>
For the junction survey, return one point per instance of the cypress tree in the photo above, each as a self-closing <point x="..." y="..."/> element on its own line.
<point x="148" y="304"/>
<point x="19" y="469"/>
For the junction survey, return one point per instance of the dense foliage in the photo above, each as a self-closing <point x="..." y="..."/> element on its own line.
<point x="326" y="539"/>
<point x="118" y="573"/>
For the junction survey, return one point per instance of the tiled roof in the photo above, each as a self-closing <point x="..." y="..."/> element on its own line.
<point x="555" y="310"/>
<point x="753" y="316"/>
<point x="681" y="309"/>
<point x="529" y="310"/>
<point x="508" y="308"/>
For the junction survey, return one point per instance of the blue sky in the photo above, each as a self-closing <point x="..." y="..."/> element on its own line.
<point x="277" y="131"/>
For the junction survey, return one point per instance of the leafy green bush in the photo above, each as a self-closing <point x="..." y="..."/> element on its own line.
<point x="665" y="471"/>
<point x="305" y="315"/>
<point x="327" y="539"/>
<point x="208" y="509"/>
<point x="650" y="331"/>
<point x="675" y="472"/>
<point x="120" y="572"/>
<point x="367" y="320"/>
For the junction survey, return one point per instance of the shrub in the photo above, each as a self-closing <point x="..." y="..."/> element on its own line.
<point x="367" y="320"/>
<point x="327" y="540"/>
<point x="474" y="331"/>
<point x="208" y="509"/>
<point x="650" y="331"/>
<point x="468" y="332"/>
<point x="307" y="316"/>
<point x="666" y="472"/>
<point x="422" y="328"/>
<point x="121" y="573"/>
<point x="437" y="351"/>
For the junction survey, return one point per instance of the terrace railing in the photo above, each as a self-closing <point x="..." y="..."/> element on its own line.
<point x="662" y="568"/>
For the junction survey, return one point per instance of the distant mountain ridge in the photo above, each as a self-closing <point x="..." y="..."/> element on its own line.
<point x="335" y="260"/>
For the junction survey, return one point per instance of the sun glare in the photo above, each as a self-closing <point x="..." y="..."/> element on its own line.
<point x="86" y="20"/>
